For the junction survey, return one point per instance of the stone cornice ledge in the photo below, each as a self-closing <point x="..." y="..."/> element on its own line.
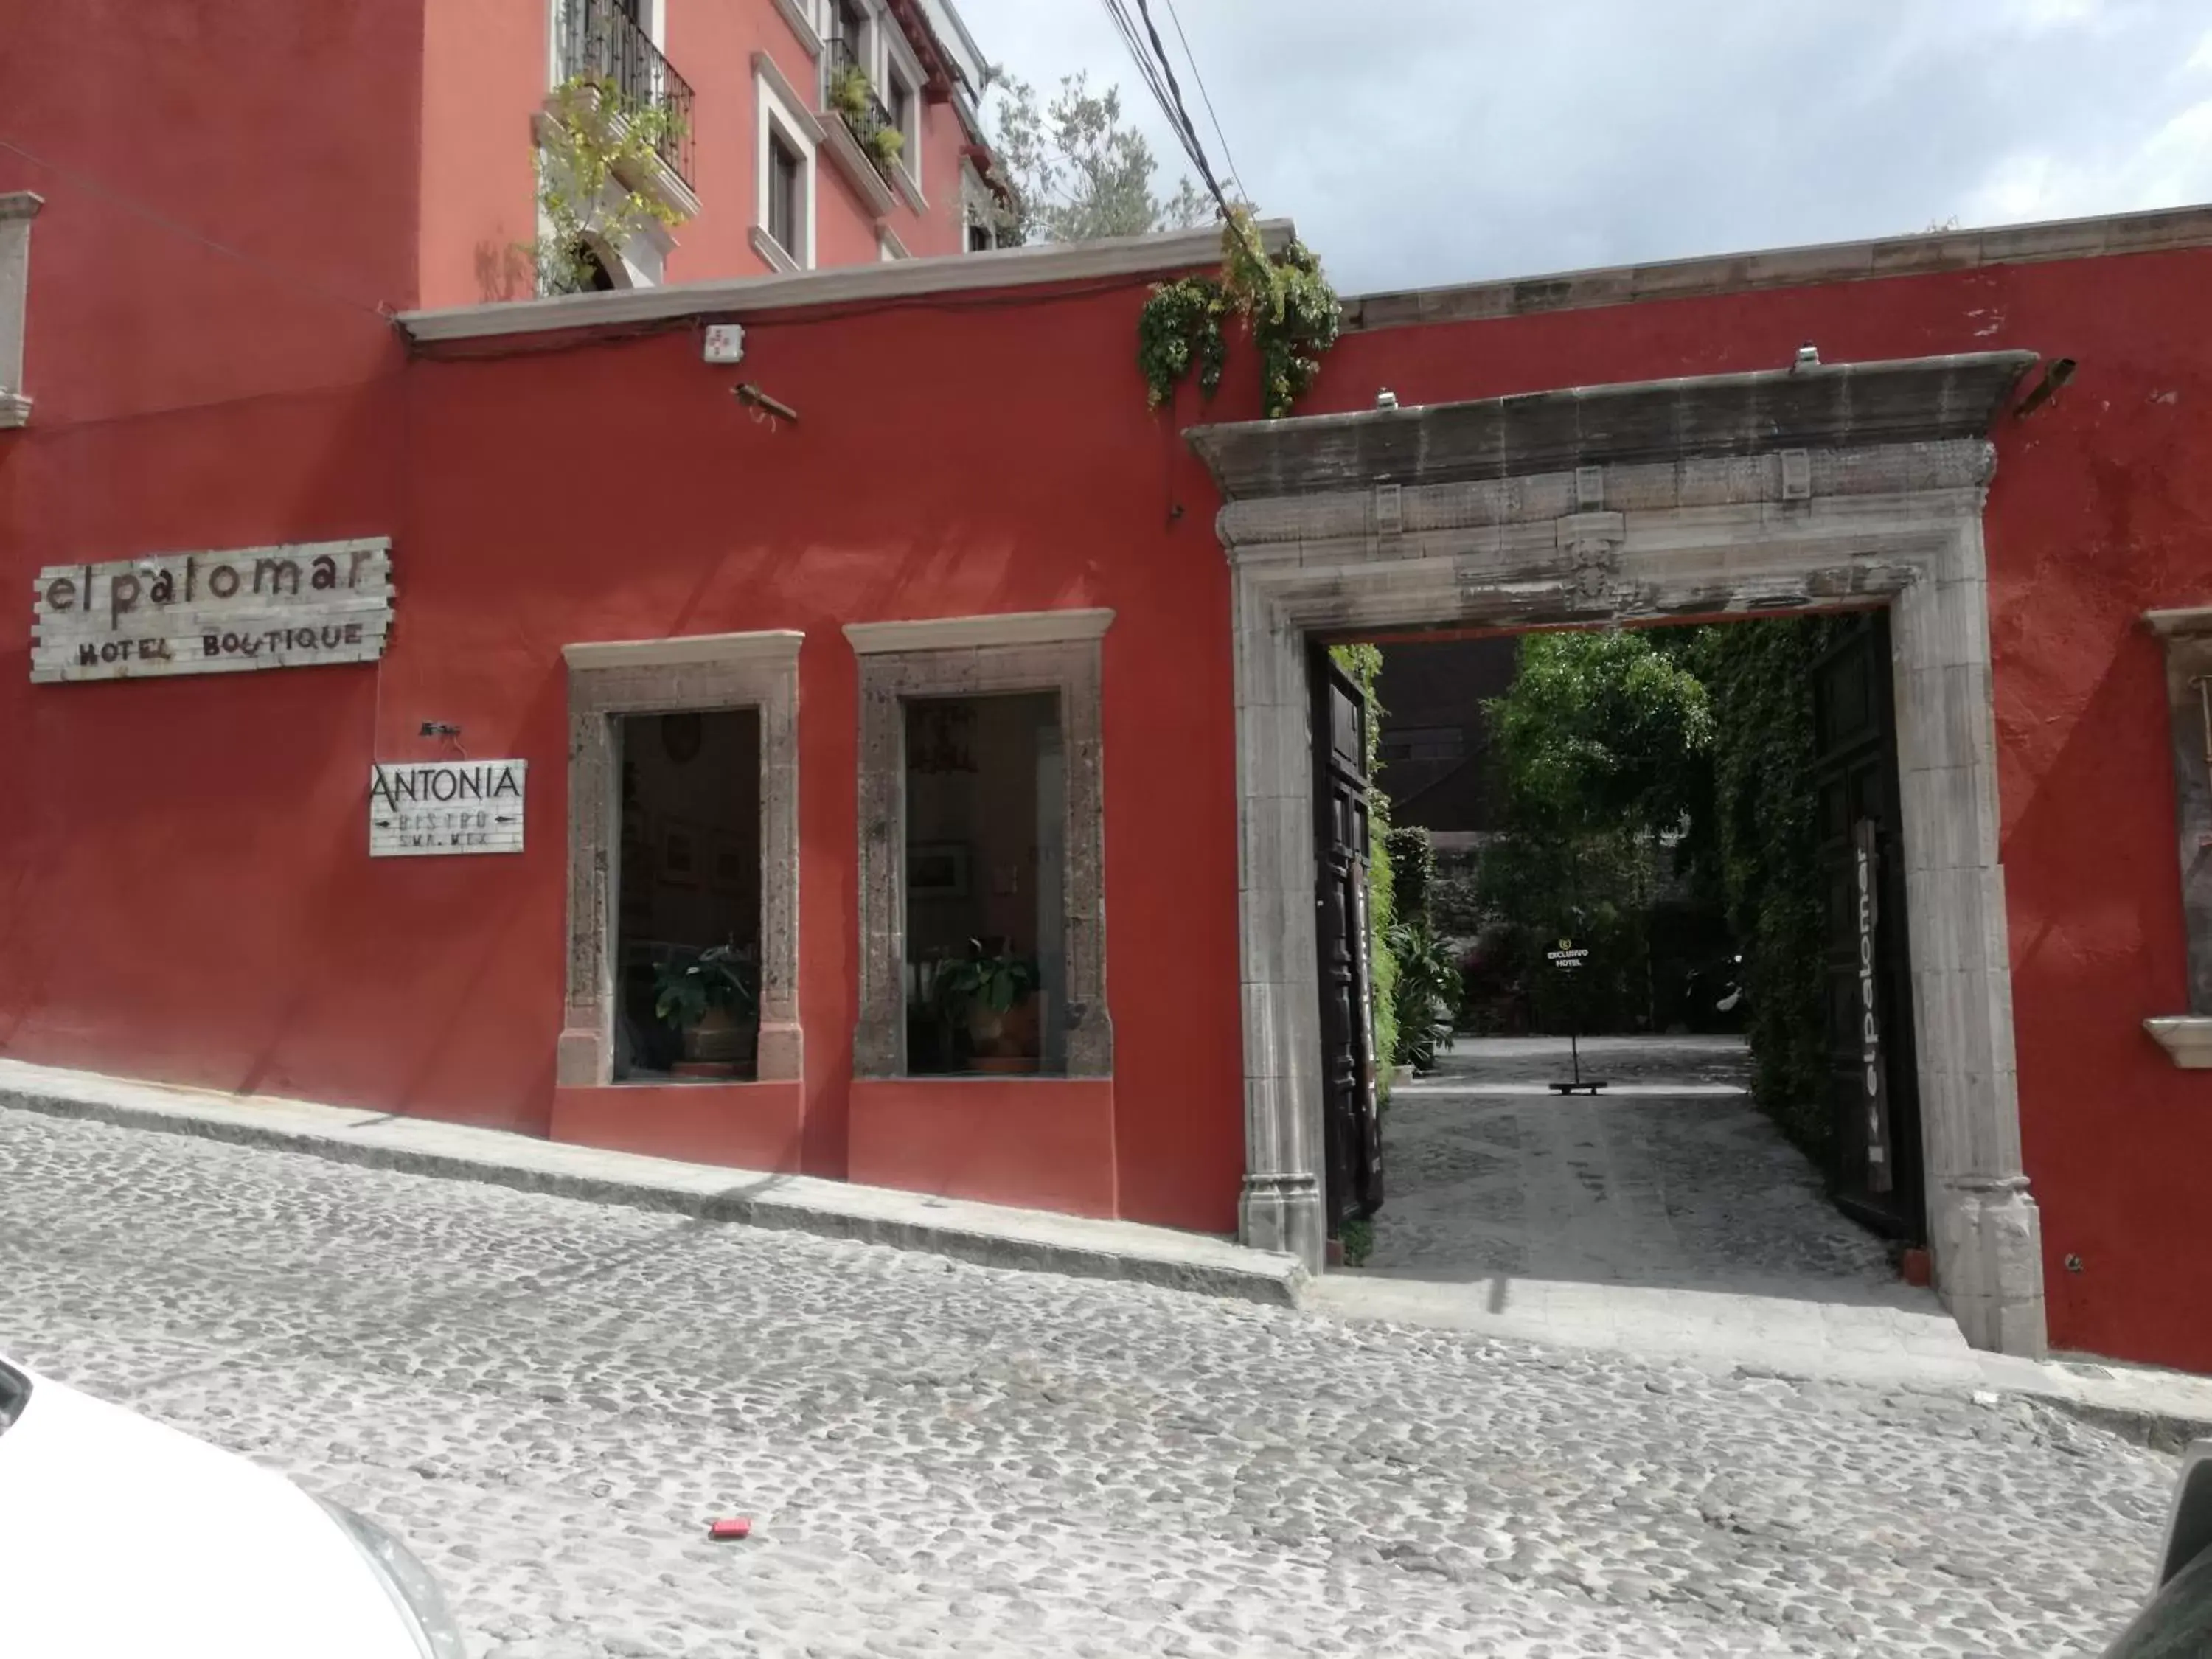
<point x="852" y="162"/>
<point x="2193" y="621"/>
<point x="968" y="633"/>
<point x="2186" y="1038"/>
<point x="774" y="644"/>
<point x="1821" y="406"/>
<point x="1135" y="257"/>
<point x="1942" y="480"/>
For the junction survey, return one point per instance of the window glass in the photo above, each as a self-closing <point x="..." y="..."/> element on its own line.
<point x="985" y="811"/>
<point x="689" y="929"/>
<point x="782" y="193"/>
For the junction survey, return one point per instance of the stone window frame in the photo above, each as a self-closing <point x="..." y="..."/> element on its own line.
<point x="17" y="210"/>
<point x="1326" y="536"/>
<point x="978" y="656"/>
<point x="2185" y="635"/>
<point x="609" y="680"/>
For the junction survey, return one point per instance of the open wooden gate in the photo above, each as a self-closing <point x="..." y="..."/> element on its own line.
<point x="1351" y="1127"/>
<point x="1873" y="1091"/>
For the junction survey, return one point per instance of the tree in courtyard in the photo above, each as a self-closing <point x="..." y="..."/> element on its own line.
<point x="1602" y="752"/>
<point x="1077" y="173"/>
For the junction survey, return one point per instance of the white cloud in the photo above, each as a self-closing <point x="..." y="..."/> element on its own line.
<point x="1439" y="141"/>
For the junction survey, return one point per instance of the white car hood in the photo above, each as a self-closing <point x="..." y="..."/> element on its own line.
<point x="121" y="1539"/>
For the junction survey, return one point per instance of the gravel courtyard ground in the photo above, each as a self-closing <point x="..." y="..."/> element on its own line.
<point x="549" y="1399"/>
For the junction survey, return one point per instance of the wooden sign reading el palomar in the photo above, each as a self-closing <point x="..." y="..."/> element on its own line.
<point x="212" y="613"/>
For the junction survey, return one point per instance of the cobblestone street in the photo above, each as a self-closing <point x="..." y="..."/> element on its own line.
<point x="548" y="1399"/>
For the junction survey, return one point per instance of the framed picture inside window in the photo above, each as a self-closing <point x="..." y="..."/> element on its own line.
<point x="937" y="869"/>
<point x="726" y="864"/>
<point x="683" y="858"/>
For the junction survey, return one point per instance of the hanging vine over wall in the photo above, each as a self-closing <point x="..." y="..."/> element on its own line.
<point x="1285" y="302"/>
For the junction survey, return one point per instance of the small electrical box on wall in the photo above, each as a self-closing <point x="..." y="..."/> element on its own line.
<point x="725" y="343"/>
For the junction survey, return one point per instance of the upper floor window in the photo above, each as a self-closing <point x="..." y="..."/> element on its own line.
<point x="782" y="191"/>
<point x="849" y="22"/>
<point x="785" y="141"/>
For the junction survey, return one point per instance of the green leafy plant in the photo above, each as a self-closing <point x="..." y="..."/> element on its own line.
<point x="688" y="989"/>
<point x="1427" y="994"/>
<point x="1764" y="743"/>
<point x="595" y="142"/>
<point x="1364" y="663"/>
<point x="884" y="144"/>
<point x="1289" y="311"/>
<point x="1075" y="173"/>
<point x="1412" y="868"/>
<point x="997" y="980"/>
<point x="850" y="91"/>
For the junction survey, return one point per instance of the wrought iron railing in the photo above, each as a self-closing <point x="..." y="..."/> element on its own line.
<point x="599" y="38"/>
<point x="851" y="95"/>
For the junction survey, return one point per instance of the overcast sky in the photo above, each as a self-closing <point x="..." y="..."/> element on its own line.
<point x="1425" y="142"/>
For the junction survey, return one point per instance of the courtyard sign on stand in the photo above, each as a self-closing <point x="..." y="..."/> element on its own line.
<point x="290" y="607"/>
<point x="445" y="806"/>
<point x="1569" y="958"/>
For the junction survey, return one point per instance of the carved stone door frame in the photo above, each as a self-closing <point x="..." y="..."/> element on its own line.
<point x="608" y="680"/>
<point x="1732" y="495"/>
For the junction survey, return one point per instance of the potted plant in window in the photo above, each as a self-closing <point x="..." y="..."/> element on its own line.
<point x="993" y="994"/>
<point x="708" y="997"/>
<point x="884" y="144"/>
<point x="848" y="92"/>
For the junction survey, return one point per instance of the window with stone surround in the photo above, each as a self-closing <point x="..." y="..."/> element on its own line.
<point x="655" y="847"/>
<point x="2186" y="636"/>
<point x="982" y="840"/>
<point x="17" y="210"/>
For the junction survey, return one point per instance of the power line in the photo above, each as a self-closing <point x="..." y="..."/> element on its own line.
<point x="1149" y="70"/>
<point x="1191" y="57"/>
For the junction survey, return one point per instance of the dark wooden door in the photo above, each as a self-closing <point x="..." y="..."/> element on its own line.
<point x="1873" y="1093"/>
<point x="1352" y="1126"/>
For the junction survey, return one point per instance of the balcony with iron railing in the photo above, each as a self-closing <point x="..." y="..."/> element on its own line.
<point x="851" y="96"/>
<point x="600" y="39"/>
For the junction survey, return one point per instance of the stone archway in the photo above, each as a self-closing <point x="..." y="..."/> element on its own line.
<point x="1821" y="486"/>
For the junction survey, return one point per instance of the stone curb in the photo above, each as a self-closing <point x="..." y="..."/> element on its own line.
<point x="985" y="1235"/>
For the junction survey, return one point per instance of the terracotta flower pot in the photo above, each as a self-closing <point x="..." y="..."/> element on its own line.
<point x="1007" y="1043"/>
<point x="721" y="1038"/>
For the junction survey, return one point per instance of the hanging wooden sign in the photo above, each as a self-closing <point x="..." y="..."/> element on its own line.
<point x="211" y="613"/>
<point x="431" y="807"/>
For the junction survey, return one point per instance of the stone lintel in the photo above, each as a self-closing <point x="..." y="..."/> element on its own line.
<point x="1823" y="406"/>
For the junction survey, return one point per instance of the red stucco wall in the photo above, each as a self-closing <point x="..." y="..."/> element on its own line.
<point x="195" y="903"/>
<point x="2102" y="508"/>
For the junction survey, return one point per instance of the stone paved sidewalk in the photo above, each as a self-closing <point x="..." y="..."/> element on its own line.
<point x="548" y="1397"/>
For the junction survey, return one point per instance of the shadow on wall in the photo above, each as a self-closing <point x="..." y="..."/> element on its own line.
<point x="505" y="271"/>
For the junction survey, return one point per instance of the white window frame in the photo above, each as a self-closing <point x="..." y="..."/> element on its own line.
<point x="784" y="113"/>
<point x="901" y="63"/>
<point x="977" y="205"/>
<point x="17" y="210"/>
<point x="805" y="21"/>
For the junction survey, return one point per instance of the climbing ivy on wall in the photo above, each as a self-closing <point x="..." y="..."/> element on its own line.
<point x="1290" y="311"/>
<point x="1364" y="663"/>
<point x="1760" y="676"/>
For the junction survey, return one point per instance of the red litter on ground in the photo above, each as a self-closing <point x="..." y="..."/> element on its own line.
<point x="730" y="1526"/>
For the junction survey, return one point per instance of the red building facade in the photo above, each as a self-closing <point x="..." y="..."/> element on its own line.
<point x="943" y="482"/>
